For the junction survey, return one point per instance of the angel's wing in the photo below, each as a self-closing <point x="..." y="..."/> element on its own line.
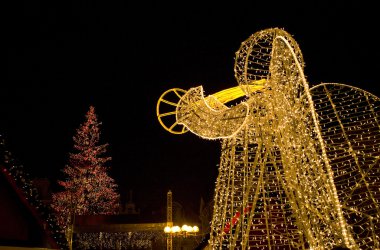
<point x="349" y="119"/>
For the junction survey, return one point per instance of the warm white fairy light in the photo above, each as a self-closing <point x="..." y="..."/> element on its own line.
<point x="300" y="167"/>
<point x="120" y="240"/>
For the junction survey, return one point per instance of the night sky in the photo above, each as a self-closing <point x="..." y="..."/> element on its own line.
<point x="64" y="56"/>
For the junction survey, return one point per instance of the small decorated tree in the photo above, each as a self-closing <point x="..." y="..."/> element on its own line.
<point x="87" y="189"/>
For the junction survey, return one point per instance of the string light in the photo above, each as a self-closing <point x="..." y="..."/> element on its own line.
<point x="22" y="183"/>
<point x="299" y="167"/>
<point x="120" y="240"/>
<point x="87" y="189"/>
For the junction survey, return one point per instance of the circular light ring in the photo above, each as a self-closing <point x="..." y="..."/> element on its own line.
<point x="169" y="100"/>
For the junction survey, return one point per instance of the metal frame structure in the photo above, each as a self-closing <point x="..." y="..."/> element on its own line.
<point x="299" y="167"/>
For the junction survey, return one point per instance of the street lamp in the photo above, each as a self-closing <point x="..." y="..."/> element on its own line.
<point x="185" y="230"/>
<point x="173" y="231"/>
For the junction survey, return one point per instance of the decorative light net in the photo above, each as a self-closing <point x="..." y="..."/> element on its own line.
<point x="300" y="167"/>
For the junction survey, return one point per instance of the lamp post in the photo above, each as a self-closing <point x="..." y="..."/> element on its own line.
<point x="173" y="231"/>
<point x="169" y="219"/>
<point x="182" y="232"/>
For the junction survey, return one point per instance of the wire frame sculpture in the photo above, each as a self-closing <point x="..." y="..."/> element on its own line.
<point x="299" y="166"/>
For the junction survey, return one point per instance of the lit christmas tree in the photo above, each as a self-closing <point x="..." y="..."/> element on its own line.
<point x="88" y="189"/>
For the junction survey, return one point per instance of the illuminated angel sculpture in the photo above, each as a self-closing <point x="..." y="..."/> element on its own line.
<point x="299" y="166"/>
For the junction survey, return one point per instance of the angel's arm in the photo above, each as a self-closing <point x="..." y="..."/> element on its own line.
<point x="209" y="118"/>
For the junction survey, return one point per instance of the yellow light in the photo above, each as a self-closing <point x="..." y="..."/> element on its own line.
<point x="176" y="229"/>
<point x="185" y="228"/>
<point x="167" y="229"/>
<point x="231" y="94"/>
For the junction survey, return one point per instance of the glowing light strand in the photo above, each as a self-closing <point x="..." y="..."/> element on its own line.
<point x="300" y="167"/>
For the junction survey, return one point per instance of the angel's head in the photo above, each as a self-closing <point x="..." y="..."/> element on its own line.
<point x="260" y="55"/>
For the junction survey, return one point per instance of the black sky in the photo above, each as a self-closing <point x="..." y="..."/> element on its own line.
<point x="66" y="55"/>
